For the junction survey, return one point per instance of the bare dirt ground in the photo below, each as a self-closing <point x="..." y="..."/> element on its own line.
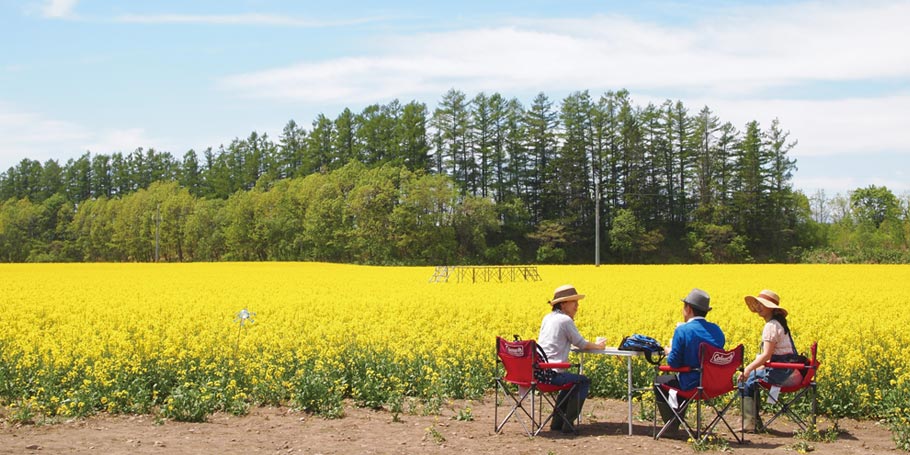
<point x="284" y="431"/>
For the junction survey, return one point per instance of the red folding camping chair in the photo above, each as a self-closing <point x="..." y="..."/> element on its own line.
<point x="520" y="358"/>
<point x="793" y="394"/>
<point x="717" y="368"/>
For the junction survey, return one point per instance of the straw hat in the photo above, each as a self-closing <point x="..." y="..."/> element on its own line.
<point x="767" y="298"/>
<point x="565" y="293"/>
<point x="698" y="299"/>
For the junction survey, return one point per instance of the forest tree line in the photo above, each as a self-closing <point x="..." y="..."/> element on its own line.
<point x="477" y="180"/>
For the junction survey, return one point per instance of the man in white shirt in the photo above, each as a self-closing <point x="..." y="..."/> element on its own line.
<point x="557" y="336"/>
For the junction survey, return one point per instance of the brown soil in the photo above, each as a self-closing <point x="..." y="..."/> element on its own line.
<point x="283" y="431"/>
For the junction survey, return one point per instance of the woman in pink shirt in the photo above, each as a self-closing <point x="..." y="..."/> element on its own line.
<point x="776" y="345"/>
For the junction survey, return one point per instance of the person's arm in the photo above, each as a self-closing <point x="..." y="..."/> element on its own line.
<point x="579" y="341"/>
<point x="760" y="360"/>
<point x="675" y="352"/>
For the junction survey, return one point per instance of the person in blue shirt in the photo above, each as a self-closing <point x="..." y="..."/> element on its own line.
<point x="683" y="350"/>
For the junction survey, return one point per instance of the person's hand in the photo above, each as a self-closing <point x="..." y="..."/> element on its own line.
<point x="742" y="377"/>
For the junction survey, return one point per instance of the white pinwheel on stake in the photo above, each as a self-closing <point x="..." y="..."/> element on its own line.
<point x="243" y="317"/>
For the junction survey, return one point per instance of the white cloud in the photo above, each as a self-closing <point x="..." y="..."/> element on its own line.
<point x="236" y="19"/>
<point x="735" y="53"/>
<point x="123" y="140"/>
<point x="38" y="138"/>
<point x="844" y="185"/>
<point x="822" y="127"/>
<point x="58" y="8"/>
<point x="25" y="134"/>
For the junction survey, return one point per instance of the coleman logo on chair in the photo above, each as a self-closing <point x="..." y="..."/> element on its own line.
<point x="720" y="358"/>
<point x="516" y="351"/>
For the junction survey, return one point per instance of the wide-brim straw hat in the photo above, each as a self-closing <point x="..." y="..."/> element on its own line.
<point x="565" y="293"/>
<point x="767" y="298"/>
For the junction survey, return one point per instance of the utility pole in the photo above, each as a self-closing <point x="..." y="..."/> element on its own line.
<point x="596" y="224"/>
<point x="157" y="228"/>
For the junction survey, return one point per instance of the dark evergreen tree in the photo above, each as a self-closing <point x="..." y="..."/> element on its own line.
<point x="704" y="150"/>
<point x="481" y="134"/>
<point x="726" y="151"/>
<point x="51" y="181"/>
<point x="782" y="212"/>
<point x="574" y="176"/>
<point x="518" y="170"/>
<point x="750" y="186"/>
<point x="102" y="178"/>
<point x="450" y="120"/>
<point x="122" y="182"/>
<point x="346" y="131"/>
<point x="319" y="151"/>
<point x="191" y="174"/>
<point x="498" y="161"/>
<point x="78" y="178"/>
<point x="541" y="122"/>
<point x="609" y="158"/>
<point x="292" y="146"/>
<point x="411" y="137"/>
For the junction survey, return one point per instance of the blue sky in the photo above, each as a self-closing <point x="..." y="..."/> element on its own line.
<point x="107" y="76"/>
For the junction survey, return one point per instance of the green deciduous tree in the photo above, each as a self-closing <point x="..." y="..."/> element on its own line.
<point x="422" y="223"/>
<point x="629" y="238"/>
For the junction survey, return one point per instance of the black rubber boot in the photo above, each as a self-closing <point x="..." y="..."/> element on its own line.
<point x="667" y="415"/>
<point x="573" y="408"/>
<point x="556" y="422"/>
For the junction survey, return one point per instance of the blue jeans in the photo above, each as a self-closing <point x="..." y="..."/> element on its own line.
<point x="775" y="376"/>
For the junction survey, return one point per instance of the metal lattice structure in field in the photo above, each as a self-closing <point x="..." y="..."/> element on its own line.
<point x="484" y="273"/>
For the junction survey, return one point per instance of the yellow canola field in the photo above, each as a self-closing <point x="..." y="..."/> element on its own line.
<point x="79" y="338"/>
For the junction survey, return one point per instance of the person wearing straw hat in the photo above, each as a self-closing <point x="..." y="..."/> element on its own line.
<point x="558" y="334"/>
<point x="776" y="345"/>
<point x="683" y="349"/>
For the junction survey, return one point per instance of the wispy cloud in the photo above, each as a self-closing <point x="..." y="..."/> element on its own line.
<point x="122" y="140"/>
<point x="58" y="8"/>
<point x="844" y="185"/>
<point x="13" y="68"/>
<point x="26" y="134"/>
<point x="823" y="127"/>
<point x="239" y="19"/>
<point x="737" y="52"/>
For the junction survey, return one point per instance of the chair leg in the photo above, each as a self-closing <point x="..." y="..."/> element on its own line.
<point x="787" y="408"/>
<point x="517" y="403"/>
<point x="719" y="416"/>
<point x="814" y="403"/>
<point x="496" y="409"/>
<point x="672" y="418"/>
<point x="559" y="411"/>
<point x="681" y="418"/>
